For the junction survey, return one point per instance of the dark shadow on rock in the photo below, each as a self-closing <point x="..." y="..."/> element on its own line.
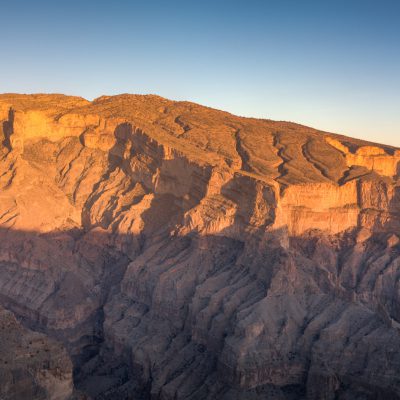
<point x="94" y="253"/>
<point x="122" y="133"/>
<point x="8" y="129"/>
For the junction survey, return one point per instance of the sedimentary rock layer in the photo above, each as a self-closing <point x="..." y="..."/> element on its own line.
<point x="181" y="252"/>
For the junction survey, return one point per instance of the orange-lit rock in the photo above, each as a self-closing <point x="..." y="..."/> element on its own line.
<point x="371" y="157"/>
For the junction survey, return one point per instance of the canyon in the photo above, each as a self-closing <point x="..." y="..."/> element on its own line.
<point x="155" y="249"/>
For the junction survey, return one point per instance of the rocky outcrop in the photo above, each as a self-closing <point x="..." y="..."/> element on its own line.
<point x="32" y="366"/>
<point x="180" y="252"/>
<point x="372" y="158"/>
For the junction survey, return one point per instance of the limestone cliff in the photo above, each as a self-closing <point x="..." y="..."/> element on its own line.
<point x="181" y="252"/>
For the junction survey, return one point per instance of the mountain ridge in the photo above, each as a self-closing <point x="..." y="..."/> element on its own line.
<point x="187" y="102"/>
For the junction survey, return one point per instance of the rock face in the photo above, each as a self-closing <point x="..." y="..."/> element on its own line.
<point x="32" y="366"/>
<point x="180" y="252"/>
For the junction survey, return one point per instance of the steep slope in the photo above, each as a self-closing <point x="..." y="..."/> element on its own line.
<point x="181" y="252"/>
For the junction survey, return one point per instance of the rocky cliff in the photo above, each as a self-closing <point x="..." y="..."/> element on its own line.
<point x="180" y="252"/>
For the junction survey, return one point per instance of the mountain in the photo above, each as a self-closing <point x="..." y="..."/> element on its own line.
<point x="181" y="252"/>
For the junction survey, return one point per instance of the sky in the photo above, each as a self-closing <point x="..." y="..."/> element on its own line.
<point x="330" y="64"/>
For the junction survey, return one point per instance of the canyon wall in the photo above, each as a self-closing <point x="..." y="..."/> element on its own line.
<point x="180" y="252"/>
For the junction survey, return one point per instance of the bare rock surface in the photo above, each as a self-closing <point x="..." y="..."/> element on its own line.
<point x="32" y="366"/>
<point x="181" y="252"/>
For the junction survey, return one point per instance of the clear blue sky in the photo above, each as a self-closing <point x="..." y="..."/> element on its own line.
<point x="331" y="64"/>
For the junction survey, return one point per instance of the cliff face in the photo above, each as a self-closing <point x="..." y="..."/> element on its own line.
<point x="181" y="252"/>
